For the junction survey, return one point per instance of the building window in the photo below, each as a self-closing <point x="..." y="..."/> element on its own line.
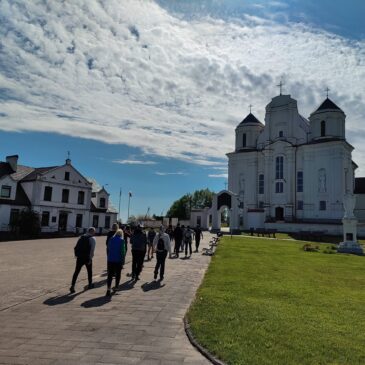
<point x="5" y="191"/>
<point x="65" y="195"/>
<point x="279" y="187"/>
<point x="54" y="219"/>
<point x="67" y="175"/>
<point x="244" y="140"/>
<point x="81" y="197"/>
<point x="45" y="219"/>
<point x="279" y="167"/>
<point x="107" y="221"/>
<point x="93" y="195"/>
<point x="102" y="203"/>
<point x="281" y="134"/>
<point x="14" y="215"/>
<point x="79" y="220"/>
<point x="300" y="205"/>
<point x="299" y="181"/>
<point x="95" y="221"/>
<point x="322" y="205"/>
<point x="261" y="205"/>
<point x="47" y="194"/>
<point x="261" y="184"/>
<point x="323" y="128"/>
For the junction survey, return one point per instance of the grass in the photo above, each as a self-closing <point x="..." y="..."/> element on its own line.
<point x="269" y="302"/>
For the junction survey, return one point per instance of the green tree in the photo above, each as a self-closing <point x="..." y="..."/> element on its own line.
<point x="29" y="223"/>
<point x="199" y="199"/>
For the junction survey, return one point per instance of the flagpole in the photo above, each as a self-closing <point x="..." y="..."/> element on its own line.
<point x="120" y="197"/>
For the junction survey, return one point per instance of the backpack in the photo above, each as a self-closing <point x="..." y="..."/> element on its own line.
<point x="160" y="245"/>
<point x="188" y="235"/>
<point x="82" y="248"/>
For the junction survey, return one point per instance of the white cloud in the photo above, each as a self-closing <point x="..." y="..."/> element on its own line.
<point x="170" y="173"/>
<point x="171" y="87"/>
<point x="135" y="162"/>
<point x="225" y="176"/>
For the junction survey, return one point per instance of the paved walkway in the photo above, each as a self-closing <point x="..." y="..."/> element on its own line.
<point x="141" y="324"/>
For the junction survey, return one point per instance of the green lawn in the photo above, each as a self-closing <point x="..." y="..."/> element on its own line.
<point x="269" y="302"/>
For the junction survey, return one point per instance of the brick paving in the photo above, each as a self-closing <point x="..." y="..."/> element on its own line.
<point x="142" y="324"/>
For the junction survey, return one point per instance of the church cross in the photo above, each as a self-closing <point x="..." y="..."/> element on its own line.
<point x="250" y="107"/>
<point x="280" y="86"/>
<point x="327" y="90"/>
<point x="68" y="154"/>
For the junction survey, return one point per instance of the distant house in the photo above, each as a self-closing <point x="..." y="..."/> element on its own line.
<point x="61" y="196"/>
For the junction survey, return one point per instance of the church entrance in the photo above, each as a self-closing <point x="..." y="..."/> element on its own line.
<point x="279" y="214"/>
<point x="62" y="221"/>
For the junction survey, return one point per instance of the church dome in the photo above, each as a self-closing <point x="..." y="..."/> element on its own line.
<point x="247" y="132"/>
<point x="327" y="121"/>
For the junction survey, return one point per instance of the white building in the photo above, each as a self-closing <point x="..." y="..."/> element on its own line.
<point x="290" y="173"/>
<point x="60" y="194"/>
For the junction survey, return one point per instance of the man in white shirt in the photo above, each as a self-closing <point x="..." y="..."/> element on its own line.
<point x="162" y="246"/>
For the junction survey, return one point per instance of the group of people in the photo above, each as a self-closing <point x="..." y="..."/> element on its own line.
<point x="141" y="243"/>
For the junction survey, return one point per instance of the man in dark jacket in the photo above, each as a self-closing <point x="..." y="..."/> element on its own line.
<point x="138" y="242"/>
<point x="178" y="236"/>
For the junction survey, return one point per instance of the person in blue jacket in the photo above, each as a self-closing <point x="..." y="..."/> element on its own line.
<point x="116" y="257"/>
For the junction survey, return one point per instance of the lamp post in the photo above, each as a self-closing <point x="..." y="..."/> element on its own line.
<point x="120" y="197"/>
<point x="129" y="203"/>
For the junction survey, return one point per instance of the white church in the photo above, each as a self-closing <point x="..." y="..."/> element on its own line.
<point x="290" y="173"/>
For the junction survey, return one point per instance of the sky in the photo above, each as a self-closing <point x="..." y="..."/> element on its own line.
<point x="146" y="94"/>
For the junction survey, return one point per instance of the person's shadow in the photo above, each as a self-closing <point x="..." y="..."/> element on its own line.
<point x="128" y="285"/>
<point x="153" y="285"/>
<point x="62" y="299"/>
<point x="96" y="302"/>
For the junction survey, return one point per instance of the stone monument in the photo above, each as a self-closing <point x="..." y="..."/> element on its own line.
<point x="349" y="221"/>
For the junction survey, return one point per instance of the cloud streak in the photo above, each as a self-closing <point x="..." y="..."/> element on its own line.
<point x="170" y="87"/>
<point x="135" y="162"/>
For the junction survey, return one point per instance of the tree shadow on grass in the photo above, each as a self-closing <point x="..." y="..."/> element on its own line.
<point x="96" y="302"/>
<point x="153" y="285"/>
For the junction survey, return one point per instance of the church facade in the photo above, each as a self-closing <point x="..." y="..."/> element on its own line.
<point x="291" y="169"/>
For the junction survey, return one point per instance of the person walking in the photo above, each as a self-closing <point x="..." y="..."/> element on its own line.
<point x="84" y="253"/>
<point x="116" y="255"/>
<point x="162" y="246"/>
<point x="111" y="233"/>
<point x="198" y="235"/>
<point x="182" y="246"/>
<point x="138" y="242"/>
<point x="178" y="236"/>
<point x="150" y="237"/>
<point x="188" y="238"/>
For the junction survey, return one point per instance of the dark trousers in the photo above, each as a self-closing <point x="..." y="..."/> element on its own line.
<point x="177" y="246"/>
<point x="89" y="267"/>
<point x="188" y="243"/>
<point x="160" y="264"/>
<point x="114" y="269"/>
<point x="197" y="243"/>
<point x="137" y="262"/>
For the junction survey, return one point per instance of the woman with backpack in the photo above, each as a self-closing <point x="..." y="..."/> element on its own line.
<point x="116" y="256"/>
<point x="162" y="246"/>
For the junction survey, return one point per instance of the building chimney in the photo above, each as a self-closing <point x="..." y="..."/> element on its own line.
<point x="13" y="162"/>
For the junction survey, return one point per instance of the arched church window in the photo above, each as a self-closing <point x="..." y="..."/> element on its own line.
<point x="323" y="128"/>
<point x="244" y="140"/>
<point x="281" y="134"/>
<point x="279" y="167"/>
<point x="261" y="184"/>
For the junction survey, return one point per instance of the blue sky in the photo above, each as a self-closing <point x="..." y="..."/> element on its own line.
<point x="146" y="94"/>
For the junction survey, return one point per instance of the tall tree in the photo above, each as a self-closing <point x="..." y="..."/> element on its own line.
<point x="199" y="199"/>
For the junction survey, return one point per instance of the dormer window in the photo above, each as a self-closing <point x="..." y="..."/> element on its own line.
<point x="102" y="203"/>
<point x="67" y="176"/>
<point x="323" y="128"/>
<point x="244" y="140"/>
<point x="93" y="195"/>
<point x="5" y="191"/>
<point x="281" y="134"/>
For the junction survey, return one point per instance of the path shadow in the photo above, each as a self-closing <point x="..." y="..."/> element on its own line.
<point x="128" y="285"/>
<point x="62" y="299"/>
<point x="96" y="302"/>
<point x="185" y="258"/>
<point x="153" y="285"/>
<point x="98" y="284"/>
